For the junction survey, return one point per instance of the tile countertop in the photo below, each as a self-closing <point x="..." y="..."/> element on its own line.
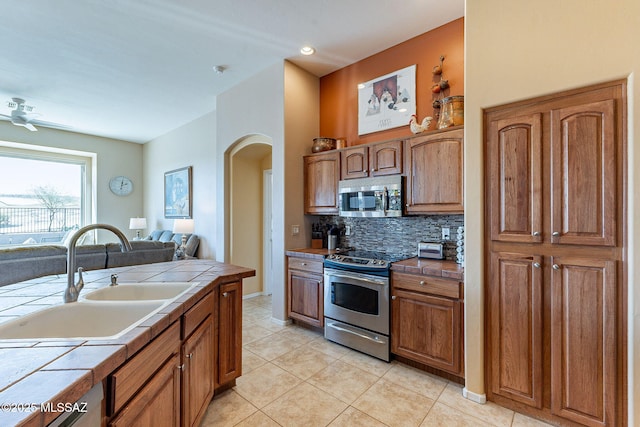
<point x="415" y="265"/>
<point x="430" y="267"/>
<point x="63" y="371"/>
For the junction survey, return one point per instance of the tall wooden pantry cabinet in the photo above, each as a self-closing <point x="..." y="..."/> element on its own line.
<point x="555" y="237"/>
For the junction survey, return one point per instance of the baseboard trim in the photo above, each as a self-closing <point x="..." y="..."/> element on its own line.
<point x="280" y="322"/>
<point x="253" y="295"/>
<point x="474" y="397"/>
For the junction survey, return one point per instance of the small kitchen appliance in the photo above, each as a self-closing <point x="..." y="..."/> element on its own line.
<point x="380" y="196"/>
<point x="430" y="250"/>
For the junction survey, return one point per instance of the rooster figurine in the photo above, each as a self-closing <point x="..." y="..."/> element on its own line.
<point x="417" y="128"/>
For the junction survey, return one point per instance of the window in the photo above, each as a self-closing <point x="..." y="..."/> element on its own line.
<point x="43" y="194"/>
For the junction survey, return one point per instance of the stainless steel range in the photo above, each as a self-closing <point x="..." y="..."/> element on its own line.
<point x="356" y="301"/>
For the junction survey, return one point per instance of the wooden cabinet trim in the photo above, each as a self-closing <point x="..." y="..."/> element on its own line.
<point x="196" y="315"/>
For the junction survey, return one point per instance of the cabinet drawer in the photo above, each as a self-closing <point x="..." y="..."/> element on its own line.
<point x="129" y="378"/>
<point x="306" y="265"/>
<point x="427" y="284"/>
<point x="196" y="314"/>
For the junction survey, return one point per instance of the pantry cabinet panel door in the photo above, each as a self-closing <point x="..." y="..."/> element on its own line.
<point x="515" y="327"/>
<point x="583" y="340"/>
<point x="514" y="154"/>
<point x="584" y="182"/>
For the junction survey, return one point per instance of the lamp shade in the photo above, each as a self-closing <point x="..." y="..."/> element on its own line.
<point x="137" y="223"/>
<point x="184" y="226"/>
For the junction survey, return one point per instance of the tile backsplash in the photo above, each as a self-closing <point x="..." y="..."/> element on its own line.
<point x="394" y="235"/>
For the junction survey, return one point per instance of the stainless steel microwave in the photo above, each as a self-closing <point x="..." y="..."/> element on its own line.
<point x="380" y="196"/>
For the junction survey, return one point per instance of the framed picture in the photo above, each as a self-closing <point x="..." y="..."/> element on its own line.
<point x="387" y="102"/>
<point x="177" y="193"/>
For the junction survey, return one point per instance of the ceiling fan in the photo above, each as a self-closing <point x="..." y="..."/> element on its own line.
<point x="22" y="115"/>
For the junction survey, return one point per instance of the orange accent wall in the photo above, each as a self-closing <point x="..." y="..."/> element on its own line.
<point x="339" y="92"/>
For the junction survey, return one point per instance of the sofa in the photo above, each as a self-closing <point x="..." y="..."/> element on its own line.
<point x="191" y="246"/>
<point x="21" y="263"/>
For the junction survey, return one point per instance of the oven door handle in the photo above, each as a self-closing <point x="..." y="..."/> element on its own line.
<point x="341" y="329"/>
<point x="363" y="279"/>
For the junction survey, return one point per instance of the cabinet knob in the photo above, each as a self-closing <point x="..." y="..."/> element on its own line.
<point x="556" y="267"/>
<point x="303" y="263"/>
<point x="189" y="356"/>
<point x="536" y="233"/>
<point x="536" y="264"/>
<point x="555" y="234"/>
<point x="393" y="297"/>
<point x="180" y="367"/>
<point x="225" y="294"/>
<point x="422" y="283"/>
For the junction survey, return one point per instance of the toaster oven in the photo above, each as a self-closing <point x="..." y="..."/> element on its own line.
<point x="430" y="250"/>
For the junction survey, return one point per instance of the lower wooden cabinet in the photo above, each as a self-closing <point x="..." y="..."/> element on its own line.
<point x="305" y="291"/>
<point x="426" y="321"/>
<point x="229" y="334"/>
<point x="198" y="373"/>
<point x="157" y="403"/>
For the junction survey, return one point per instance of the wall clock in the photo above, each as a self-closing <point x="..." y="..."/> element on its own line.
<point x="121" y="185"/>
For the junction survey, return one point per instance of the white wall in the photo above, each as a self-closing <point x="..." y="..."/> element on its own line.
<point x="193" y="144"/>
<point x="255" y="107"/>
<point x="519" y="49"/>
<point x="113" y="158"/>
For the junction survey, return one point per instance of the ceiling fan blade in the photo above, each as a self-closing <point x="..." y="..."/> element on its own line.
<point x="31" y="127"/>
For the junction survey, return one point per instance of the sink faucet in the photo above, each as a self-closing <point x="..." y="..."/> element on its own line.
<point x="73" y="290"/>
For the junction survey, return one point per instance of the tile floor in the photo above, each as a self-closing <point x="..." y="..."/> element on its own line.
<point x="292" y="376"/>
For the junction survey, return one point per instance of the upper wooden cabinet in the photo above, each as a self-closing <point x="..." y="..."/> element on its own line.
<point x="371" y="160"/>
<point x="321" y="176"/>
<point x="434" y="168"/>
<point x="579" y="176"/>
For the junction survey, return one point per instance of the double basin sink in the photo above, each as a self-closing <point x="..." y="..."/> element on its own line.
<point x="105" y="313"/>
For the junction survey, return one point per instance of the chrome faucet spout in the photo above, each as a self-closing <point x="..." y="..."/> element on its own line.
<point x="72" y="292"/>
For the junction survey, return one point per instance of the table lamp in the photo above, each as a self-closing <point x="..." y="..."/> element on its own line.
<point x="184" y="227"/>
<point x="137" y="224"/>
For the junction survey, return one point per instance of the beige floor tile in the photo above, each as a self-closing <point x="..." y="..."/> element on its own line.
<point x="344" y="381"/>
<point x="228" y="409"/>
<point x="254" y="332"/>
<point x="328" y="347"/>
<point x="258" y="419"/>
<point x="265" y="384"/>
<point x="365" y="362"/>
<point x="291" y="410"/>
<point x="274" y="345"/>
<point x="303" y="362"/>
<point x="416" y="380"/>
<point x="394" y="405"/>
<point x="488" y="412"/>
<point x="351" y="417"/>
<point x="520" y="420"/>
<point x="250" y="361"/>
<point x="443" y="416"/>
<point x="270" y="325"/>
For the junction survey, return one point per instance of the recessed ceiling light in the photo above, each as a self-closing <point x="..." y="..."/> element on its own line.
<point x="219" y="69"/>
<point x="307" y="50"/>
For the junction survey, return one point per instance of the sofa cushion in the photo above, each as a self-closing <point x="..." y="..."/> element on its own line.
<point x="142" y="252"/>
<point x="25" y="263"/>
<point x="91" y="257"/>
<point x="155" y="234"/>
<point x="166" y="236"/>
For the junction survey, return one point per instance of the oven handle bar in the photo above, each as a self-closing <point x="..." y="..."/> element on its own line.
<point x="382" y="282"/>
<point x="341" y="329"/>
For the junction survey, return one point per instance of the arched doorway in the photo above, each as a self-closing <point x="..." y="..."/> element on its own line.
<point x="249" y="222"/>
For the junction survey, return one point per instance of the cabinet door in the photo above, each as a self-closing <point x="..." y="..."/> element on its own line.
<point x="583" y="340"/>
<point x="427" y="329"/>
<point x="385" y="158"/>
<point x="514" y="315"/>
<point x="229" y="332"/>
<point x="354" y="162"/>
<point x="584" y="181"/>
<point x="306" y="297"/>
<point x="434" y="173"/>
<point x="322" y="173"/>
<point x="198" y="376"/>
<point x="514" y="156"/>
<point x="157" y="403"/>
